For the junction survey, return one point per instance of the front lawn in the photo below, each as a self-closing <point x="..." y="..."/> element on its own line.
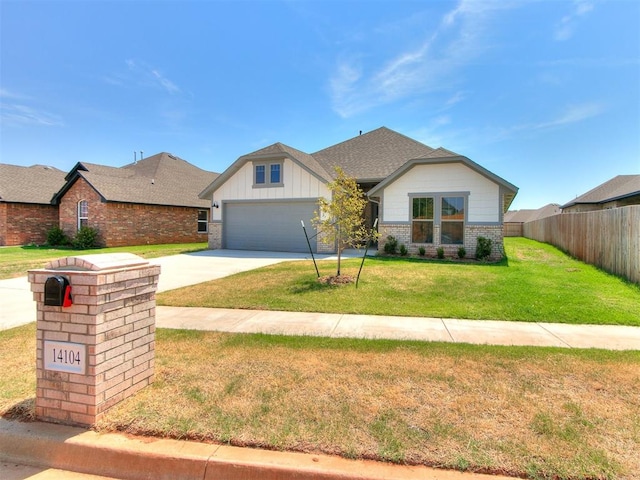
<point x="539" y="413"/>
<point x="16" y="261"/>
<point x="536" y="283"/>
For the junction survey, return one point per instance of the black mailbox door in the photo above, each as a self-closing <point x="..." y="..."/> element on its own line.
<point x="54" y="290"/>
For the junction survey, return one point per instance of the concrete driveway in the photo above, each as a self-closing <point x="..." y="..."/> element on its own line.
<point x="18" y="308"/>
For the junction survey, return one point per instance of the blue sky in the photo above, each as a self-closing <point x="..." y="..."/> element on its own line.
<point x="545" y="94"/>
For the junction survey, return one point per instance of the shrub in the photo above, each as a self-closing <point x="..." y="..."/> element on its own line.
<point x="483" y="248"/>
<point x="391" y="245"/>
<point x="440" y="253"/>
<point x="462" y="252"/>
<point x="56" y="237"/>
<point x="87" y="237"/>
<point x="421" y="251"/>
<point x="403" y="250"/>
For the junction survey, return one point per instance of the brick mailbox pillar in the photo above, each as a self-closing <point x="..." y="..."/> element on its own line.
<point x="100" y="349"/>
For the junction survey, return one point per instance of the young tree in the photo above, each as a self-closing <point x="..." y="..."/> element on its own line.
<point x="340" y="221"/>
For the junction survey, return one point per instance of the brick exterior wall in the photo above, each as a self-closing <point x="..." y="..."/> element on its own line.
<point x="122" y="224"/>
<point x="113" y="316"/>
<point x="402" y="232"/>
<point x="25" y="223"/>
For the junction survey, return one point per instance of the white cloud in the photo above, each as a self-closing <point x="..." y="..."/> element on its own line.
<point x="21" y="115"/>
<point x="565" y="29"/>
<point x="142" y="74"/>
<point x="570" y="115"/>
<point x="573" y="114"/>
<point x="430" y="65"/>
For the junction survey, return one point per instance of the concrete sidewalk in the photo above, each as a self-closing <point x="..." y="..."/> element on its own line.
<point x="481" y="332"/>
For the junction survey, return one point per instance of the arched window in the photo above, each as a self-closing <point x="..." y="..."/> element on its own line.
<point x="83" y="214"/>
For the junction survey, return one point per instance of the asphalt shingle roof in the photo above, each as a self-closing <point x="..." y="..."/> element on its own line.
<point x="372" y="156"/>
<point x="162" y="179"/>
<point x="34" y="184"/>
<point x="616" y="188"/>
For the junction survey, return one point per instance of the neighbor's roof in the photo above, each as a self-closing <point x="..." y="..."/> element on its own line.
<point x="162" y="179"/>
<point x="34" y="184"/>
<point x="529" y="215"/>
<point x="617" y="188"/>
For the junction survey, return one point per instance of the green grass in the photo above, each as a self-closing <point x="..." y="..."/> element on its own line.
<point x="16" y="261"/>
<point x="535" y="283"/>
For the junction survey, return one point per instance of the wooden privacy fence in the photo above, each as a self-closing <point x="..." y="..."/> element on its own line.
<point x="609" y="239"/>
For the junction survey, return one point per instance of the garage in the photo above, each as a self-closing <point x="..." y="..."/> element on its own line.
<point x="272" y="225"/>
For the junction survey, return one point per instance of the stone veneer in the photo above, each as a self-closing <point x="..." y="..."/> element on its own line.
<point x="402" y="232"/>
<point x="113" y="316"/>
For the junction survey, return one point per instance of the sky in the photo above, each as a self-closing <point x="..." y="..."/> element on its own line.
<point x="543" y="93"/>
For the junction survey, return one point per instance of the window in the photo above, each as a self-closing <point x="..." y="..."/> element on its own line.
<point x="422" y="220"/>
<point x="452" y="218"/>
<point x="275" y="173"/>
<point x="267" y="174"/>
<point x="203" y="221"/>
<point x="83" y="214"/>
<point x="260" y="178"/>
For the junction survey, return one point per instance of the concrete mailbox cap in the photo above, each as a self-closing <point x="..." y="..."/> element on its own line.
<point x="97" y="262"/>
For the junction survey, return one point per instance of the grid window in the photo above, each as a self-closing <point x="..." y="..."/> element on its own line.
<point x="452" y="217"/>
<point x="83" y="214"/>
<point x="203" y="221"/>
<point x="422" y="220"/>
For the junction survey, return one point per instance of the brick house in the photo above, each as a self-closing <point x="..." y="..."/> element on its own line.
<point x="425" y="197"/>
<point x="151" y="201"/>
<point x="26" y="212"/>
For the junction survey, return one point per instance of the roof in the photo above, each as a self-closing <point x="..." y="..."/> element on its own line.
<point x="162" y="179"/>
<point x="529" y="215"/>
<point x="374" y="157"/>
<point x="34" y="184"/>
<point x="617" y="188"/>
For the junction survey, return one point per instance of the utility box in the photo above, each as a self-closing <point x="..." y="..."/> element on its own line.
<point x="95" y="334"/>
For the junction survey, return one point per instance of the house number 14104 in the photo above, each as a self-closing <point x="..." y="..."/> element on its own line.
<point x="64" y="357"/>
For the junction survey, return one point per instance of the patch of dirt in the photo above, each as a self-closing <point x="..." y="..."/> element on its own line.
<point x="337" y="280"/>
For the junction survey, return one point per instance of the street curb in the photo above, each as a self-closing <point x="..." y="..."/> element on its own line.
<point x="140" y="458"/>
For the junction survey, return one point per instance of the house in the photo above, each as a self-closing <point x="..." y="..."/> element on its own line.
<point x="514" y="219"/>
<point x="151" y="201"/>
<point x="620" y="191"/>
<point x="424" y="197"/>
<point x="26" y="212"/>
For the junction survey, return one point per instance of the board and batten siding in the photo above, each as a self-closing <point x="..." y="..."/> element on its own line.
<point x="298" y="183"/>
<point x="484" y="195"/>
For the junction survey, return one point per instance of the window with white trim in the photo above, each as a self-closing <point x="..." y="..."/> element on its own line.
<point x="83" y="214"/>
<point x="203" y="221"/>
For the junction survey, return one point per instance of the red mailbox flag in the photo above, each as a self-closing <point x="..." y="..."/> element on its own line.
<point x="67" y="297"/>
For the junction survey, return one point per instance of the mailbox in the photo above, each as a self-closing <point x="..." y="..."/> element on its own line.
<point x="57" y="291"/>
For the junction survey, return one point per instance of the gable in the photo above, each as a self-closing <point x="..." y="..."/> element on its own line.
<point x="161" y="179"/>
<point x="453" y="162"/>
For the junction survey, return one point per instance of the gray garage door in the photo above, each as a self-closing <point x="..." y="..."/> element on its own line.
<point x="268" y="226"/>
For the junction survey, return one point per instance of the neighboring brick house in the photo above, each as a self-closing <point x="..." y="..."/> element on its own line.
<point x="424" y="197"/>
<point x="620" y="191"/>
<point x="26" y="212"/>
<point x="151" y="201"/>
